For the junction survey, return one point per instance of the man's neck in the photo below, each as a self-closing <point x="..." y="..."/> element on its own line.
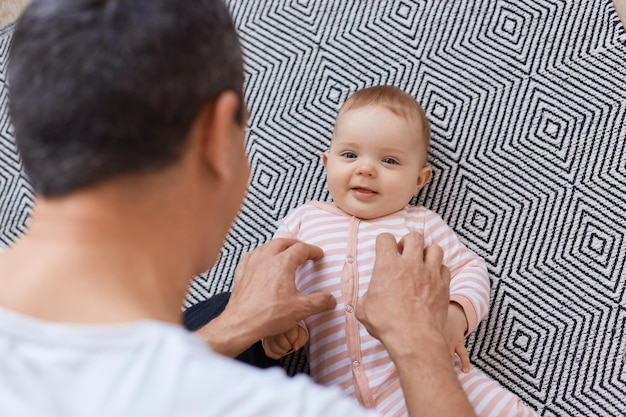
<point x="92" y="258"/>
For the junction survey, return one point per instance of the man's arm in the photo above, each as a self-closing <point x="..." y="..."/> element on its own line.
<point x="265" y="301"/>
<point x="406" y="307"/>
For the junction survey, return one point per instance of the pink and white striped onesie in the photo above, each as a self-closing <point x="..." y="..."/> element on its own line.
<point x="341" y="352"/>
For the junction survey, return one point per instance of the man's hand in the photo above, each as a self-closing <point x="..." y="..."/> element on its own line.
<point x="407" y="281"/>
<point x="406" y="307"/>
<point x="264" y="301"/>
<point x="455" y="330"/>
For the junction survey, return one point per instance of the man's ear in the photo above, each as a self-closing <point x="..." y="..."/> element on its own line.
<point x="325" y="159"/>
<point x="424" y="176"/>
<point x="220" y="134"/>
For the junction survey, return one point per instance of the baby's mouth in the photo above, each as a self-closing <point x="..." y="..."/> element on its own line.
<point x="363" y="192"/>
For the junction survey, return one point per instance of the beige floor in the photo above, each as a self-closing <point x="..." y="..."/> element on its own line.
<point x="10" y="10"/>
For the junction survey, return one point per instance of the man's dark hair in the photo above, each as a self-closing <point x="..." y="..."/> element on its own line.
<point x="103" y="88"/>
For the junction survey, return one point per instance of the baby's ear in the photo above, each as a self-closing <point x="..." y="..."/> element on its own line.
<point x="424" y="176"/>
<point x="325" y="158"/>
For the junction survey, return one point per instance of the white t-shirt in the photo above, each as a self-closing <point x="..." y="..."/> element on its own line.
<point x="139" y="369"/>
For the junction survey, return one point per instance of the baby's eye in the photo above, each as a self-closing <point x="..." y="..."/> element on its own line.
<point x="390" y="161"/>
<point x="349" y="155"/>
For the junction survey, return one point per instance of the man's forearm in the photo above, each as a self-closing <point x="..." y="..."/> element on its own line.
<point x="227" y="337"/>
<point x="430" y="385"/>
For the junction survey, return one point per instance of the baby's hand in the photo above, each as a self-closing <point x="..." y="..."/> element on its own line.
<point x="455" y="330"/>
<point x="276" y="347"/>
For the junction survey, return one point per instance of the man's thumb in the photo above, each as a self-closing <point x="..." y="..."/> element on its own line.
<point x="318" y="302"/>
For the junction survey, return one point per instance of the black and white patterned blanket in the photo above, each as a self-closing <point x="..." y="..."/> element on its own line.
<point x="527" y="101"/>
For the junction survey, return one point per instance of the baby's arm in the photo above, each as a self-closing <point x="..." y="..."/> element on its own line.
<point x="469" y="287"/>
<point x="277" y="346"/>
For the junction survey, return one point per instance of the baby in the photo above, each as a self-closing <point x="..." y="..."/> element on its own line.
<point x="376" y="163"/>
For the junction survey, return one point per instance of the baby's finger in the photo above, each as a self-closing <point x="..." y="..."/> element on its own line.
<point x="282" y="343"/>
<point x="272" y="350"/>
<point x="461" y="350"/>
<point x="300" y="341"/>
<point x="292" y="335"/>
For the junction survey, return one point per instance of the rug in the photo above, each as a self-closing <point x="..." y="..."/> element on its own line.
<point x="527" y="101"/>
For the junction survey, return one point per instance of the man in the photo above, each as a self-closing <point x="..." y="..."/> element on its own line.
<point x="129" y="117"/>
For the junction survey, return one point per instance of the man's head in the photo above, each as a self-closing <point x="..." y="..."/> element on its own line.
<point x="105" y="88"/>
<point x="378" y="155"/>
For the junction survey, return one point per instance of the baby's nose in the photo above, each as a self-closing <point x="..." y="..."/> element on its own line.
<point x="366" y="168"/>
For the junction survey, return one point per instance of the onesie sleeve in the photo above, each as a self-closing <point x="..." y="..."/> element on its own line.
<point x="283" y="231"/>
<point x="469" y="286"/>
<point x="289" y="226"/>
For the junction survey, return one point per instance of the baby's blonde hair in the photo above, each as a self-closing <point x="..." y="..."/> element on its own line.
<point x="396" y="100"/>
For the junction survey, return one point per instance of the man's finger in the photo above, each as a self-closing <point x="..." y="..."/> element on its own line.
<point x="240" y="271"/>
<point x="315" y="303"/>
<point x="444" y="273"/>
<point x="386" y="245"/>
<point x="299" y="252"/>
<point x="276" y="246"/>
<point x="412" y="244"/>
<point x="433" y="256"/>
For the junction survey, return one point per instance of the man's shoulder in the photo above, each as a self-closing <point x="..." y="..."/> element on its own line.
<point x="212" y="385"/>
<point x="147" y="368"/>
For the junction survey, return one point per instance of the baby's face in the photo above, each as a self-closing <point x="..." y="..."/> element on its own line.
<point x="376" y="162"/>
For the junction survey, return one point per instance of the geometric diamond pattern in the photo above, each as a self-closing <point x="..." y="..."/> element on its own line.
<point x="16" y="197"/>
<point x="527" y="102"/>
